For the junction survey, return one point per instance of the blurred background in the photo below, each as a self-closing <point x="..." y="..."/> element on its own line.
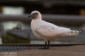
<point x="15" y="24"/>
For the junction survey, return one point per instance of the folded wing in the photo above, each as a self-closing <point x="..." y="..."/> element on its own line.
<point x="50" y="30"/>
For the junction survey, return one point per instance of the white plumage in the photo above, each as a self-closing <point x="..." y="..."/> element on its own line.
<point x="48" y="31"/>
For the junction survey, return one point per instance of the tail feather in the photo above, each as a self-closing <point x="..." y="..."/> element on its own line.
<point x="74" y="33"/>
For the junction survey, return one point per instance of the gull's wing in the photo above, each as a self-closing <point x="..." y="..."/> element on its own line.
<point x="48" y="29"/>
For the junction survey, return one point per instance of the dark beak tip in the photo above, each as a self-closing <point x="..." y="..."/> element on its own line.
<point x="29" y="16"/>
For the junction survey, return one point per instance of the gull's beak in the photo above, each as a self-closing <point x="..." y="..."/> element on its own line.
<point x="30" y="16"/>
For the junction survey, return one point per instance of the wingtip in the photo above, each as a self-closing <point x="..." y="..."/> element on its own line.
<point x="76" y="32"/>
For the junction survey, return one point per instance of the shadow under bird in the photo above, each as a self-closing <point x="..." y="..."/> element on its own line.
<point x="47" y="31"/>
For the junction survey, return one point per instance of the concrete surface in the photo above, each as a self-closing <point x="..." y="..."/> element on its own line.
<point x="77" y="50"/>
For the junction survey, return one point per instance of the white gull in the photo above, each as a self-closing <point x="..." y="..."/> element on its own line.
<point x="48" y="31"/>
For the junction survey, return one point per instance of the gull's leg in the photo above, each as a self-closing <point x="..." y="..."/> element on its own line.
<point x="47" y="44"/>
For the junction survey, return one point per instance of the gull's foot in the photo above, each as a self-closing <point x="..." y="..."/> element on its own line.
<point x="44" y="47"/>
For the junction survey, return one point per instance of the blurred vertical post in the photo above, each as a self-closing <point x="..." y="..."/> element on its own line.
<point x="1" y="33"/>
<point x="0" y="39"/>
<point x="82" y="12"/>
<point x="1" y="26"/>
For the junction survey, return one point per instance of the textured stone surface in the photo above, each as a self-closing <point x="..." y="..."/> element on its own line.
<point x="53" y="51"/>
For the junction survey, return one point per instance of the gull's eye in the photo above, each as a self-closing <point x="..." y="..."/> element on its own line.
<point x="34" y="15"/>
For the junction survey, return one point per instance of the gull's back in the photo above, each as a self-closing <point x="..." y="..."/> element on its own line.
<point x="48" y="29"/>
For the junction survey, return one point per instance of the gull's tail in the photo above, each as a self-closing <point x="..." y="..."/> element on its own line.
<point x="74" y="33"/>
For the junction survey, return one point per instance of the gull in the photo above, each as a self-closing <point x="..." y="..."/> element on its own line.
<point x="48" y="31"/>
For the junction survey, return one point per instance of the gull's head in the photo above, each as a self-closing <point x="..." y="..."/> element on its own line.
<point x="36" y="15"/>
